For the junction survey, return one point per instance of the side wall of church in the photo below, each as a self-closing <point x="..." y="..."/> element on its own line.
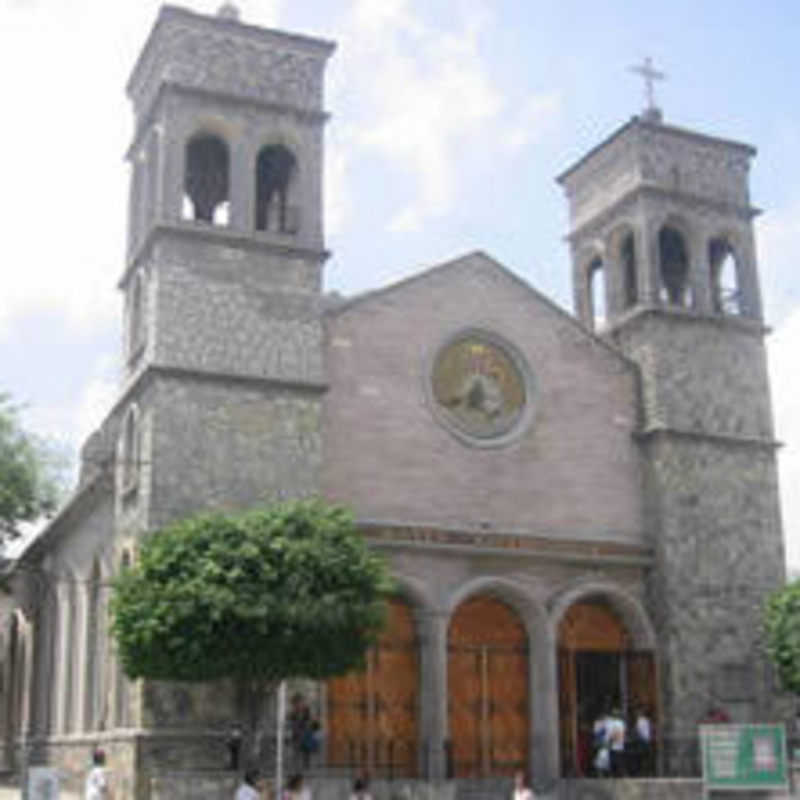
<point x="575" y="472"/>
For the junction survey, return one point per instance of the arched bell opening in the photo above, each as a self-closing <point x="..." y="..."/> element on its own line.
<point x="596" y="282"/>
<point x="725" y="293"/>
<point x="600" y="671"/>
<point x="630" y="283"/>
<point x="373" y="715"/>
<point x="206" y="182"/>
<point x="276" y="177"/>
<point x="488" y="692"/>
<point x="673" y="261"/>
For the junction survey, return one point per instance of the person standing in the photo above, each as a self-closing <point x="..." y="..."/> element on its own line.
<point x="249" y="787"/>
<point x="615" y="736"/>
<point x="643" y="730"/>
<point x="296" y="789"/>
<point x="360" y="790"/>
<point x="522" y="791"/>
<point x="98" y="781"/>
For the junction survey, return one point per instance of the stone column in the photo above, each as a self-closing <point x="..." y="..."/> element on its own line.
<point x="82" y="710"/>
<point x="433" y="693"/>
<point x="543" y="704"/>
<point x="61" y="672"/>
<point x="647" y="253"/>
<point x="700" y="271"/>
<point x="747" y="276"/>
<point x="172" y="158"/>
<point x="242" y="185"/>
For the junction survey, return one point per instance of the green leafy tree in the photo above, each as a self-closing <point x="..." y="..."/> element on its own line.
<point x="291" y="590"/>
<point x="782" y="627"/>
<point x="30" y="473"/>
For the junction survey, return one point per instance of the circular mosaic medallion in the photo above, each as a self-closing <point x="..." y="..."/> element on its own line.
<point x="478" y="387"/>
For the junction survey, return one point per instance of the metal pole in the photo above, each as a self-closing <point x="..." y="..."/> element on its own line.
<point x="279" y="732"/>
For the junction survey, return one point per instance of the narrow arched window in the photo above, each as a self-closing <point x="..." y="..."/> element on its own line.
<point x="725" y="294"/>
<point x="276" y="174"/>
<point x="136" y="328"/>
<point x="69" y="666"/>
<point x="674" y="268"/>
<point x="92" y="676"/>
<point x="121" y="696"/>
<point x="130" y="453"/>
<point x="206" y="181"/>
<point x="596" y="279"/>
<point x="628" y="263"/>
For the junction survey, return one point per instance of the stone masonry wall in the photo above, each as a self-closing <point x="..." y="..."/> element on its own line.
<point x="719" y="552"/>
<point x="220" y="444"/>
<point x="227" y="57"/>
<point x="700" y="374"/>
<point x="237" y="313"/>
<point x="574" y="472"/>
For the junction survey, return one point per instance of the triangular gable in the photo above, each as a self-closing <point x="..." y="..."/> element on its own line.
<point x="488" y="262"/>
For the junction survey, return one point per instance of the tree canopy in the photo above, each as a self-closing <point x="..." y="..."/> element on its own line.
<point x="290" y="590"/>
<point x="782" y="626"/>
<point x="29" y="473"/>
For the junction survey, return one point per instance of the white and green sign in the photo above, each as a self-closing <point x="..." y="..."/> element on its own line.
<point x="744" y="757"/>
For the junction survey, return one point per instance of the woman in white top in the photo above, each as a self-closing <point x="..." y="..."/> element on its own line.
<point x="98" y="781"/>
<point x="249" y="788"/>
<point x="521" y="789"/>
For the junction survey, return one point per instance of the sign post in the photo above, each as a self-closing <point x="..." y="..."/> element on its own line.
<point x="744" y="757"/>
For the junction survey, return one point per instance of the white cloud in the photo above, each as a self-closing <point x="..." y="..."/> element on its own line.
<point x="783" y="347"/>
<point x="534" y="117"/>
<point x="428" y="101"/>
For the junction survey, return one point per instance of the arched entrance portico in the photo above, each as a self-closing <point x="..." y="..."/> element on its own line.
<point x="488" y="701"/>
<point x="373" y="715"/>
<point x="602" y="664"/>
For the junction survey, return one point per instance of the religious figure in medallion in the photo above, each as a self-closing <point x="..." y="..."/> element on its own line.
<point x="478" y="386"/>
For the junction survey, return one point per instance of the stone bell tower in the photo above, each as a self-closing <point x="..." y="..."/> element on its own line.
<point x="664" y="266"/>
<point x="223" y="337"/>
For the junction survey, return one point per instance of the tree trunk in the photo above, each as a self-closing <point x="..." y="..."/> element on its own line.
<point x="254" y="706"/>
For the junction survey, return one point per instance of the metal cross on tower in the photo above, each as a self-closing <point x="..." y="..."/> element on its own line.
<point x="650" y="75"/>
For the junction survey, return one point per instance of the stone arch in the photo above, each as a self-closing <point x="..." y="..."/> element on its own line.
<point x="630" y="610"/>
<point x="277" y="170"/>
<point x="528" y="607"/>
<point x="207" y="176"/>
<point x="726" y="273"/>
<point x="674" y="242"/>
<point x="523" y="665"/>
<point x="623" y="246"/>
<point x="606" y="658"/>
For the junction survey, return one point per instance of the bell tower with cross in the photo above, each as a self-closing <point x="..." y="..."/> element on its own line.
<point x="664" y="268"/>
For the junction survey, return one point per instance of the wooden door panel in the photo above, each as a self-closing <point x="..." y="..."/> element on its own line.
<point x="372" y="715"/>
<point x="487" y="688"/>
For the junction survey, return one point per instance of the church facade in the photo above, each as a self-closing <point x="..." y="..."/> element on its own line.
<point x="580" y="511"/>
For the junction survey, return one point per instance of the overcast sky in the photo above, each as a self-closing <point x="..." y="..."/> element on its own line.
<point x="450" y="120"/>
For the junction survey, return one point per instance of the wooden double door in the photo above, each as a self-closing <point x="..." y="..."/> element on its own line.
<point x="488" y="702"/>
<point x="372" y="723"/>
